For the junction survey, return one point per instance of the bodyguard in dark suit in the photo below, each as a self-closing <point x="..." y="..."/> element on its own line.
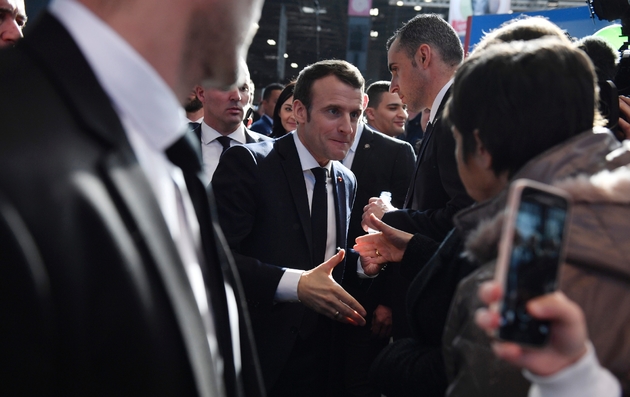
<point x="285" y="207"/>
<point x="222" y="124"/>
<point x="423" y="56"/>
<point x="113" y="280"/>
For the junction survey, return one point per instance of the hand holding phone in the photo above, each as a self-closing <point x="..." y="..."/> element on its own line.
<point x="530" y="252"/>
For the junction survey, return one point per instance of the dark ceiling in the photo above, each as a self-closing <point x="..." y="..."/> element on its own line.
<point x="302" y="41"/>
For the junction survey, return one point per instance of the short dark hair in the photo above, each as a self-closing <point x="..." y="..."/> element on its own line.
<point x="344" y="71"/>
<point x="521" y="28"/>
<point x="523" y="98"/>
<point x="603" y="56"/>
<point x="278" y="130"/>
<point x="269" y="89"/>
<point x="375" y="92"/>
<point x="433" y="30"/>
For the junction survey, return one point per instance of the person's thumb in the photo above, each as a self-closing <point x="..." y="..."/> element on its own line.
<point x="334" y="260"/>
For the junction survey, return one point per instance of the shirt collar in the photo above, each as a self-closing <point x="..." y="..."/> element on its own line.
<point x="438" y="100"/>
<point x="357" y="137"/>
<point x="306" y="158"/>
<point x="209" y="134"/>
<point x="138" y="92"/>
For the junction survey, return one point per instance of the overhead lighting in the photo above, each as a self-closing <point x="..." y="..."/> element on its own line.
<point x="374" y="12"/>
<point x="294" y="65"/>
<point x="286" y="55"/>
<point x="417" y="8"/>
<point x="373" y="33"/>
<point x="311" y="10"/>
<point x="271" y="42"/>
<point x="400" y="3"/>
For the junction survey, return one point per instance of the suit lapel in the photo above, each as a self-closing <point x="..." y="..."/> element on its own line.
<point x="141" y="208"/>
<point x="426" y="140"/>
<point x="52" y="47"/>
<point x="292" y="167"/>
<point x="248" y="137"/>
<point x="363" y="151"/>
<point x="341" y="191"/>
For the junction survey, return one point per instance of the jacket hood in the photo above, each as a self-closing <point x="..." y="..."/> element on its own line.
<point x="594" y="169"/>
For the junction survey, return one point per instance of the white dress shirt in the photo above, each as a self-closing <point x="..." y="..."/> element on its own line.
<point x="211" y="149"/>
<point x="438" y="100"/>
<point x="153" y="119"/>
<point x="347" y="161"/>
<point x="287" y="287"/>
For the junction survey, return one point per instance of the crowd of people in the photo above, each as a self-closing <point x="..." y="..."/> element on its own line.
<point x="162" y="240"/>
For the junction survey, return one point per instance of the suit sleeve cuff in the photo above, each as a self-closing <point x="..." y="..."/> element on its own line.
<point x="584" y="378"/>
<point x="287" y="290"/>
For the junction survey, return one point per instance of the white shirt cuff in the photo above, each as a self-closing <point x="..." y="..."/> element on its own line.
<point x="287" y="290"/>
<point x="584" y="378"/>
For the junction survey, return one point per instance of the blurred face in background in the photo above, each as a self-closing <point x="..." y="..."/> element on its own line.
<point x="12" y="20"/>
<point x="389" y="116"/>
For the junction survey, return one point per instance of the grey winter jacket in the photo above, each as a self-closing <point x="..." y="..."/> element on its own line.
<point x="594" y="168"/>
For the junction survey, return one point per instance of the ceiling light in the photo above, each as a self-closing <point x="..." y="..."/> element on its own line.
<point x="417" y="8"/>
<point x="374" y="12"/>
<point x="373" y="33"/>
<point x="286" y="55"/>
<point x="294" y="65"/>
<point x="400" y="3"/>
<point x="271" y="42"/>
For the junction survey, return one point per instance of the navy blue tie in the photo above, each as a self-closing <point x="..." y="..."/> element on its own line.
<point x="319" y="216"/>
<point x="225" y="142"/>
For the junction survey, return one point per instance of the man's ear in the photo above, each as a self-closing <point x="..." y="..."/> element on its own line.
<point x="199" y="91"/>
<point x="482" y="156"/>
<point x="366" y="100"/>
<point x="300" y="112"/>
<point x="423" y="56"/>
<point x="369" y="114"/>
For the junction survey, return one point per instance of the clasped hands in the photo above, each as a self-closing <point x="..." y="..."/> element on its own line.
<point x="386" y="245"/>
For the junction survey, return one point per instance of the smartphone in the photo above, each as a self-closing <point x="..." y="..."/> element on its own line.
<point x="530" y="252"/>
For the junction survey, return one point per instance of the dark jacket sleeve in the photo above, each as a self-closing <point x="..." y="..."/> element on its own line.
<point x="402" y="173"/>
<point x="234" y="184"/>
<point x="436" y="222"/>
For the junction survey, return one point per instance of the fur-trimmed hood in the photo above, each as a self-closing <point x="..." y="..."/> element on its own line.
<point x="594" y="168"/>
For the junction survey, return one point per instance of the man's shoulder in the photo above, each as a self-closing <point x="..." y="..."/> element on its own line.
<point x="257" y="137"/>
<point x="261" y="126"/>
<point x="382" y="141"/>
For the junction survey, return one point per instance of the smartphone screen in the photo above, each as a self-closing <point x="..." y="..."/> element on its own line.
<point x="532" y="264"/>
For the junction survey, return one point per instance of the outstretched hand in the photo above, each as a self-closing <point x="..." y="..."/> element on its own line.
<point x="567" y="342"/>
<point x="319" y="291"/>
<point x="377" y="249"/>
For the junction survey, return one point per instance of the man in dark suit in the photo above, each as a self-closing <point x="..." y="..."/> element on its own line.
<point x="286" y="204"/>
<point x="423" y="56"/>
<point x="267" y="104"/>
<point x="222" y="126"/>
<point x="113" y="280"/>
<point x="380" y="163"/>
